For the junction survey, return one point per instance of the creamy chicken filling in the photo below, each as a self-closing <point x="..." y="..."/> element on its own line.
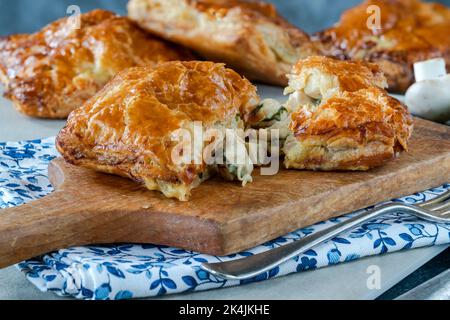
<point x="271" y="114"/>
<point x="236" y="164"/>
<point x="230" y="154"/>
<point x="306" y="93"/>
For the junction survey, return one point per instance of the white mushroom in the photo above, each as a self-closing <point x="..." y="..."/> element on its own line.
<point x="429" y="97"/>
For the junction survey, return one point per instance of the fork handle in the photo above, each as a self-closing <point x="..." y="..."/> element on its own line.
<point x="254" y="265"/>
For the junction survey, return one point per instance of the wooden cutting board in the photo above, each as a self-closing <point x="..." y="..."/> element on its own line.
<point x="221" y="218"/>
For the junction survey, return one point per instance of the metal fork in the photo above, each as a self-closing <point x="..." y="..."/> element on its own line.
<point x="435" y="210"/>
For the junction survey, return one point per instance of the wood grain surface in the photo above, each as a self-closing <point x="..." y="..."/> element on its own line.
<point x="221" y="218"/>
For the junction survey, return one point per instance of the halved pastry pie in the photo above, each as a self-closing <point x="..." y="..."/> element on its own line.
<point x="52" y="72"/>
<point x="249" y="36"/>
<point x="339" y="117"/>
<point x="409" y="31"/>
<point x="158" y="125"/>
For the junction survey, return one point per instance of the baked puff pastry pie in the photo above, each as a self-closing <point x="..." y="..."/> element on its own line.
<point x="51" y="72"/>
<point x="134" y="127"/>
<point x="249" y="36"/>
<point x="339" y="117"/>
<point x="409" y="31"/>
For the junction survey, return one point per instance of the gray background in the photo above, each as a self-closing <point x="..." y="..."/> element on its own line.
<point x="21" y="16"/>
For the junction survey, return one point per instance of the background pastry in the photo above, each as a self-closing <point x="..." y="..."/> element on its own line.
<point x="51" y="72"/>
<point x="249" y="36"/>
<point x="409" y="31"/>
<point x="128" y="127"/>
<point x="339" y="117"/>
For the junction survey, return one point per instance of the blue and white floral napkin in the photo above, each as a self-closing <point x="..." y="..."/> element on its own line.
<point x="123" y="271"/>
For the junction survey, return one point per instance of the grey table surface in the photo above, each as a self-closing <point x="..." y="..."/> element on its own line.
<point x="344" y="281"/>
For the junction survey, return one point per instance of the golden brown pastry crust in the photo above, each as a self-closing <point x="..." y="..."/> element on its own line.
<point x="52" y="72"/>
<point x="356" y="127"/>
<point x="411" y="31"/>
<point x="126" y="128"/>
<point x="350" y="75"/>
<point x="249" y="36"/>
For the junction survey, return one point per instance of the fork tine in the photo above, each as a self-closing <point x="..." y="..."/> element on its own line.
<point x="430" y="204"/>
<point x="439" y="206"/>
<point x="445" y="213"/>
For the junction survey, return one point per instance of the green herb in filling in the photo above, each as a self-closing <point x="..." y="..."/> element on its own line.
<point x="257" y="109"/>
<point x="277" y="115"/>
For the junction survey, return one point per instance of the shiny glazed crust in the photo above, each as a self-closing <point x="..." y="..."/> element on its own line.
<point x="249" y="36"/>
<point x="52" y="72"/>
<point x="336" y="75"/>
<point x="411" y="31"/>
<point x="351" y="125"/>
<point x="127" y="128"/>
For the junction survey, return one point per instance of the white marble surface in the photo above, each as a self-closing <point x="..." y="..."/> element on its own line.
<point x="345" y="281"/>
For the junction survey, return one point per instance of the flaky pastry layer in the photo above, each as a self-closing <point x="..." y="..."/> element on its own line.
<point x="249" y="36"/>
<point x="50" y="73"/>
<point x="129" y="127"/>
